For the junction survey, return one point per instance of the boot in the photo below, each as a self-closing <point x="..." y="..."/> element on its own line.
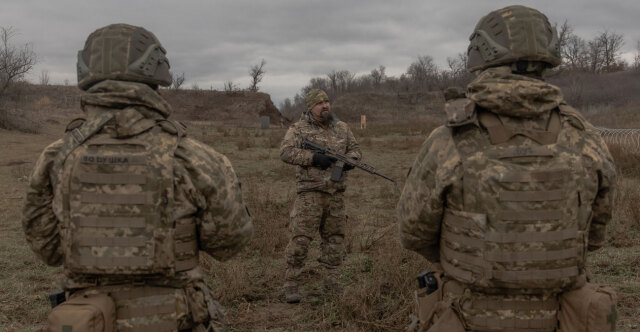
<point x="291" y="293"/>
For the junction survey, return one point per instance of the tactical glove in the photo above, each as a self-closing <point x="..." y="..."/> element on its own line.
<point x="322" y="161"/>
<point x="348" y="167"/>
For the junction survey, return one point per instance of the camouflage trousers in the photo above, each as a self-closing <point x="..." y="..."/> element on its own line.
<point x="315" y="212"/>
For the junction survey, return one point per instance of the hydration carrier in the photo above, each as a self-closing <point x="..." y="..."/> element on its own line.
<point x="117" y="205"/>
<point x="527" y="206"/>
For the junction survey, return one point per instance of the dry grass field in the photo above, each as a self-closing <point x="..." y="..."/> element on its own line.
<point x="378" y="274"/>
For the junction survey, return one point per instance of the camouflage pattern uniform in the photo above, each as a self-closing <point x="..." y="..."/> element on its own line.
<point x="67" y="209"/>
<point x="319" y="204"/>
<point x="449" y="215"/>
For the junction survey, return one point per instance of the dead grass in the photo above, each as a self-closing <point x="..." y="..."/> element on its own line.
<point x="19" y="120"/>
<point x="378" y="274"/>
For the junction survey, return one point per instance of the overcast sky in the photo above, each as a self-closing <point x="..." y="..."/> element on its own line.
<point x="217" y="41"/>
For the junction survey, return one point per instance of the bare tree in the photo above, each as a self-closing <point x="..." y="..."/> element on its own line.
<point x="340" y="81"/>
<point x="333" y="80"/>
<point x="177" y="80"/>
<point x="422" y="71"/>
<point x="257" y="73"/>
<point x="575" y="53"/>
<point x="15" y="61"/>
<point x="595" y="55"/>
<point x="458" y="65"/>
<point x="611" y="43"/>
<point x="378" y="75"/>
<point x="318" y="83"/>
<point x="345" y="79"/>
<point x="44" y="77"/>
<point x="564" y="32"/>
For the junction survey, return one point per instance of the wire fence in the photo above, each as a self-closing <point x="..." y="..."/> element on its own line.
<point x="627" y="138"/>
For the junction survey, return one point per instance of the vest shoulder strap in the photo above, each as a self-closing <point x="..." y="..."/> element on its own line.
<point x="78" y="135"/>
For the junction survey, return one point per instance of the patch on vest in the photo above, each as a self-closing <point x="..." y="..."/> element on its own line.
<point x="460" y="112"/>
<point x="111" y="160"/>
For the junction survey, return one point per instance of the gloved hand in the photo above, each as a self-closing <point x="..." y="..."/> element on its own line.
<point x="348" y="167"/>
<point x="322" y="161"/>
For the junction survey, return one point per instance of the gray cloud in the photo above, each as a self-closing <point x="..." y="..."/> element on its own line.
<point x="217" y="41"/>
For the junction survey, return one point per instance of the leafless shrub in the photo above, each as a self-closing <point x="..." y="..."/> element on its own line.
<point x="230" y="87"/>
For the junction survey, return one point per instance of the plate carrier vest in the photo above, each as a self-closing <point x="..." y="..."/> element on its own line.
<point x="117" y="203"/>
<point x="526" y="209"/>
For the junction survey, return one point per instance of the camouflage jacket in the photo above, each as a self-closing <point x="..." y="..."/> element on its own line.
<point x="205" y="185"/>
<point x="337" y="136"/>
<point x="435" y="181"/>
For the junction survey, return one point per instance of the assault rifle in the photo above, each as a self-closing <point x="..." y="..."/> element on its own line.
<point x="341" y="160"/>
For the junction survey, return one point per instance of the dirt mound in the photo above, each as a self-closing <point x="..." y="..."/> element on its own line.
<point x="387" y="107"/>
<point x="238" y="108"/>
<point x="59" y="104"/>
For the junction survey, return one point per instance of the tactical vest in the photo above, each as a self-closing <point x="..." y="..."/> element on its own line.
<point x="117" y="204"/>
<point x="526" y="208"/>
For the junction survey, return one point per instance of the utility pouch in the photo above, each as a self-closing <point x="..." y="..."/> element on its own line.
<point x="427" y="297"/>
<point x="86" y="313"/>
<point x="589" y="308"/>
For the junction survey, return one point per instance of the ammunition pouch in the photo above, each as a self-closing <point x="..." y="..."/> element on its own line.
<point x="84" y="312"/>
<point x="588" y="309"/>
<point x="140" y="308"/>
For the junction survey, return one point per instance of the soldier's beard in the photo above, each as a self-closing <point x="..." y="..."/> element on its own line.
<point x="324" y="118"/>
<point x="327" y="116"/>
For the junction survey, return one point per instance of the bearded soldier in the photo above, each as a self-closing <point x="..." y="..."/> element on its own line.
<point x="506" y="198"/>
<point x="319" y="204"/>
<point x="125" y="201"/>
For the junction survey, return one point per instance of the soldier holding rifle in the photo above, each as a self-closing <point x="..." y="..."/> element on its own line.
<point x="319" y="204"/>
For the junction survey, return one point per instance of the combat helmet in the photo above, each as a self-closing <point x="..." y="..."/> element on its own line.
<point x="513" y="34"/>
<point x="122" y="52"/>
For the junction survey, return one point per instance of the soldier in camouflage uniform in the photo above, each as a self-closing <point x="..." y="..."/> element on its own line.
<point x="126" y="202"/>
<point x="319" y="204"/>
<point x="506" y="198"/>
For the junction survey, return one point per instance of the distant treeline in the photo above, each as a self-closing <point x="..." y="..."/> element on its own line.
<point x="600" y="54"/>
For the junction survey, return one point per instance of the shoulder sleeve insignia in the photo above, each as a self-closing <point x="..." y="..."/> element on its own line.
<point x="75" y="123"/>
<point x="460" y="112"/>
